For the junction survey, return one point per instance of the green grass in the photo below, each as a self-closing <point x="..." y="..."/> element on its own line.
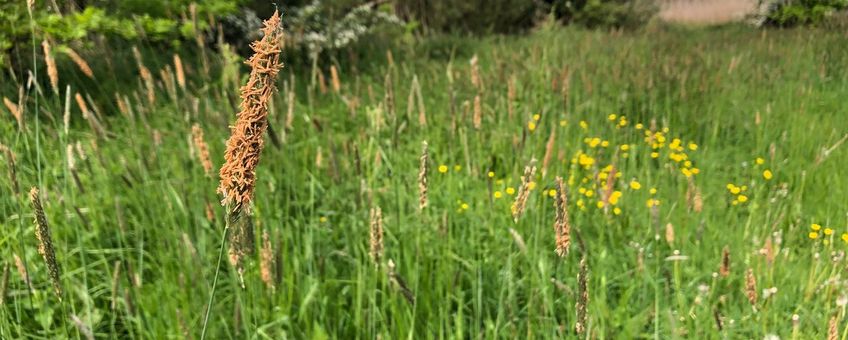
<point x="142" y="204"/>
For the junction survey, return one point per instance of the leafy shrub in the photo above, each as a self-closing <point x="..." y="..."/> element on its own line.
<point x="797" y="12"/>
<point x="605" y="13"/>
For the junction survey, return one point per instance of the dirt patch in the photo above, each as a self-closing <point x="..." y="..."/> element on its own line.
<point x="706" y="11"/>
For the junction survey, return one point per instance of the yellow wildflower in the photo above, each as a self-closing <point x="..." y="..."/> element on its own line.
<point x="552" y="192"/>
<point x="531" y="126"/>
<point x="767" y="174"/>
<point x="760" y="161"/>
<point x="828" y="231"/>
<point x="536" y="117"/>
<point x="742" y="198"/>
<point x="611" y="117"/>
<point x="497" y="194"/>
<point x="510" y="191"/>
<point x="813" y="235"/>
<point x="584" y="125"/>
<point x="491" y="174"/>
<point x="693" y="146"/>
<point x="443" y="168"/>
<point x="635" y="185"/>
<point x="815" y="226"/>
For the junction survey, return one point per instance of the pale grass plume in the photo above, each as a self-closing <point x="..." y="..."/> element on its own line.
<point x="751" y="287"/>
<point x="549" y="151"/>
<point x="475" y="74"/>
<point x="376" y="236"/>
<point x="4" y="284"/>
<point x="562" y="225"/>
<point x="178" y="68"/>
<point x="833" y="328"/>
<point x="80" y="62"/>
<point x="519" y="241"/>
<point x="477" y="119"/>
<point x="267" y="261"/>
<point x="83" y="329"/>
<point x="669" y="233"/>
<point x="202" y="149"/>
<point x="116" y="280"/>
<point x="45" y="242"/>
<point x="22" y="271"/>
<point x="423" y="170"/>
<point x="52" y="71"/>
<point x="146" y="76"/>
<point x="523" y="191"/>
<point x="11" y="168"/>
<point x="16" y="112"/>
<point x="422" y="113"/>
<point x="334" y="78"/>
<point x="322" y="82"/>
<point x="582" y="297"/>
<point x="510" y="97"/>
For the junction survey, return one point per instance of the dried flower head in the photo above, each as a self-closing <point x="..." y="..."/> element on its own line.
<point x="45" y="242"/>
<point x="238" y="174"/>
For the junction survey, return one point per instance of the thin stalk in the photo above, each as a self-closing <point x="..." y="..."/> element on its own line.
<point x="215" y="280"/>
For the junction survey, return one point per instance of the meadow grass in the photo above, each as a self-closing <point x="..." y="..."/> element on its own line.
<point x="743" y="241"/>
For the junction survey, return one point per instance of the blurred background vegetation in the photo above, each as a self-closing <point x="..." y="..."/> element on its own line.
<point x="321" y="28"/>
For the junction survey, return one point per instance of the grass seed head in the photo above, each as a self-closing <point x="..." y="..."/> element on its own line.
<point x="52" y="71"/>
<point x="523" y="191"/>
<point x="80" y="62"/>
<point x="267" y="261"/>
<point x="238" y="174"/>
<point x="751" y="287"/>
<point x="45" y="242"/>
<point x="202" y="149"/>
<point x="422" y="177"/>
<point x="582" y="297"/>
<point x="376" y="235"/>
<point x="562" y="225"/>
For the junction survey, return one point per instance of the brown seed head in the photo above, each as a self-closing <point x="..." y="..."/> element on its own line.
<point x="751" y="287"/>
<point x="238" y="174"/>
